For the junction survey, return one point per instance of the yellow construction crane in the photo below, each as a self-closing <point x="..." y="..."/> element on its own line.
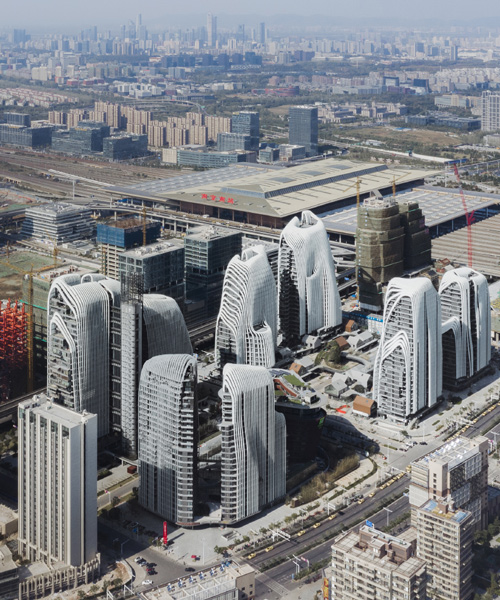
<point x="30" y="324"/>
<point x="394" y="179"/>
<point x="55" y="252"/>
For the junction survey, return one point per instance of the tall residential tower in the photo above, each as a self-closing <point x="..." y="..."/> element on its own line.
<point x="253" y="443"/>
<point x="466" y="325"/>
<point x="308" y="296"/>
<point x="247" y="322"/>
<point x="408" y="366"/>
<point x="168" y="422"/>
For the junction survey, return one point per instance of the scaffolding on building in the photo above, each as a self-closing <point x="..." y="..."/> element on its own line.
<point x="13" y="346"/>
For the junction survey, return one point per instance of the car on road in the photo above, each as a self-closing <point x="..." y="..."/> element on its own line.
<point x="269" y="548"/>
<point x="138" y="559"/>
<point x="301" y="532"/>
<point x="147" y="582"/>
<point x="316" y="525"/>
<point x="253" y="555"/>
<point x="331" y="517"/>
<point x="372" y="494"/>
<point x="190" y="569"/>
<point x="361" y="501"/>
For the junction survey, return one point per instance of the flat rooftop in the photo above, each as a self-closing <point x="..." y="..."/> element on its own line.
<point x="55" y="412"/>
<point x="457" y="516"/>
<point x="56" y="208"/>
<point x="155" y="249"/>
<point x="276" y="191"/>
<point x="452" y="453"/>
<point x="439" y="205"/>
<point x="208" y="583"/>
<point x="209" y="232"/>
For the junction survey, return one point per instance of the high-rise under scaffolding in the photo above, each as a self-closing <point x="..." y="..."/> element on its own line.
<point x="13" y="349"/>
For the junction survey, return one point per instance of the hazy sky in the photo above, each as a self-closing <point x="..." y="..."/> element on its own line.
<point x="78" y="14"/>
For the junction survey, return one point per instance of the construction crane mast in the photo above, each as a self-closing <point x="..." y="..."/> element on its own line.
<point x="144" y="229"/>
<point x="469" y="217"/>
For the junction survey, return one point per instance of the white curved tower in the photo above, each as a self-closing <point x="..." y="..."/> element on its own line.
<point x="168" y="421"/>
<point x="78" y="345"/>
<point x="247" y="321"/>
<point x="407" y="375"/>
<point x="253" y="443"/>
<point x="150" y="326"/>
<point x="466" y="319"/>
<point x="307" y="286"/>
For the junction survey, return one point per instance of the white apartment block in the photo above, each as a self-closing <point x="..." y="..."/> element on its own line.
<point x="247" y="322"/>
<point x="253" y="469"/>
<point x="490" y="111"/>
<point x="57" y="483"/>
<point x="466" y="324"/>
<point x="407" y="375"/>
<point x="308" y="296"/>
<point x="370" y="565"/>
<point x="168" y="420"/>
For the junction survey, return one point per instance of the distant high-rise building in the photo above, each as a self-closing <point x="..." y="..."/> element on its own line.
<point x="490" y="111"/>
<point x="369" y="564"/>
<point x="168" y="436"/>
<point x="247" y="322"/>
<point x="408" y="366"/>
<point x="303" y="128"/>
<point x="466" y="318"/>
<point x="253" y="463"/>
<point x="78" y="323"/>
<point x="308" y="296"/>
<point x="444" y="542"/>
<point x="458" y="472"/>
<point x="208" y="251"/>
<point x="57" y="484"/>
<point x="19" y="36"/>
<point x="248" y="123"/>
<point x="262" y="33"/>
<point x="211" y="30"/>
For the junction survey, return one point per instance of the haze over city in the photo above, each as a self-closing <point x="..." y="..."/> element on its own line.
<point x="73" y="15"/>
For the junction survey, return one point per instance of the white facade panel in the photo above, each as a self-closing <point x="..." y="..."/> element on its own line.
<point x="408" y="365"/>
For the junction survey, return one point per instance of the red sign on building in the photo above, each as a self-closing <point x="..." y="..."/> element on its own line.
<point x="165" y="533"/>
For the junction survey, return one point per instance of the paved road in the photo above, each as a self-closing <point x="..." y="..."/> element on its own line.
<point x="278" y="581"/>
<point x="125" y="489"/>
<point x="128" y="548"/>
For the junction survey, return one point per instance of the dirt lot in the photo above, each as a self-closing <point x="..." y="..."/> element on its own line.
<point x="11" y="280"/>
<point x="422" y="136"/>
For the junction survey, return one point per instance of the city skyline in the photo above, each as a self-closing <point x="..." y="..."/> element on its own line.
<point x="44" y="17"/>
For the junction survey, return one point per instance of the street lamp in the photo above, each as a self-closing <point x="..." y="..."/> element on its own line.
<point x="388" y="511"/>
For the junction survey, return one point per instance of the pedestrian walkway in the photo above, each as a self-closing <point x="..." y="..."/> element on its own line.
<point x="118" y="475"/>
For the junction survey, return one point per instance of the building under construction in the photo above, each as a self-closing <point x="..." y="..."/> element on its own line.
<point x="119" y="235"/>
<point x="13" y="349"/>
<point x="57" y="221"/>
<point x="391" y="237"/>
